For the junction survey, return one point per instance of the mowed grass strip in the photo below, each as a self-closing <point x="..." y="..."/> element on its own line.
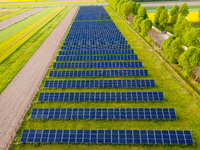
<point x="13" y="29"/>
<point x="8" y="46"/>
<point x="10" y="67"/>
<point x="14" y="14"/>
<point x="4" y="12"/>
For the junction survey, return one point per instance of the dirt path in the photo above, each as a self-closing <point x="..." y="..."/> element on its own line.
<point x="8" y="22"/>
<point x="151" y="4"/>
<point x="17" y="97"/>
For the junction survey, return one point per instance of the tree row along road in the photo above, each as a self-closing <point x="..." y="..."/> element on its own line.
<point x="169" y="3"/>
<point x="16" y="98"/>
<point x="10" y="21"/>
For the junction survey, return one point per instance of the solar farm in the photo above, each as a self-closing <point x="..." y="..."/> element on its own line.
<point x="103" y="91"/>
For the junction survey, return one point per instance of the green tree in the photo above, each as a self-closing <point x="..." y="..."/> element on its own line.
<point x="128" y="8"/>
<point x="182" y="26"/>
<point x="119" y="5"/>
<point x="146" y="25"/>
<point x="166" y="45"/>
<point x="157" y="14"/>
<point x="174" y="14"/>
<point x="137" y="23"/>
<point x="163" y="19"/>
<point x="142" y="12"/>
<point x="189" y="60"/>
<point x="191" y="37"/>
<point x="184" y="10"/>
<point x="137" y="6"/>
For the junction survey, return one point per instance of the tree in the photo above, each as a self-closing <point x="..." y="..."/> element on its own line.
<point x="135" y="12"/>
<point x="157" y="14"/>
<point x="184" y="10"/>
<point x="191" y="37"/>
<point x="137" y="23"/>
<point x="174" y="14"/>
<point x="119" y="5"/>
<point x="189" y="59"/>
<point x="167" y="43"/>
<point x="128" y="8"/>
<point x="146" y="25"/>
<point x="163" y="19"/>
<point x="142" y="12"/>
<point x="182" y="26"/>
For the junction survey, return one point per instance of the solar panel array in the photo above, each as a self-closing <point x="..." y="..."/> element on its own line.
<point x="104" y="113"/>
<point x="102" y="40"/>
<point x="96" y="52"/>
<point x="100" y="73"/>
<point x="97" y="64"/>
<point x="98" y="83"/>
<point x="102" y="96"/>
<point x="108" y="136"/>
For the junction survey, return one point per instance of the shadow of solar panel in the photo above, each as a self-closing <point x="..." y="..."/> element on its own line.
<point x="95" y="47"/>
<point x="96" y="73"/>
<point x="97" y="65"/>
<point x="108" y="136"/>
<point x="98" y="83"/>
<point x="104" y="113"/>
<point x="102" y="96"/>
<point x="97" y="58"/>
<point x="96" y="52"/>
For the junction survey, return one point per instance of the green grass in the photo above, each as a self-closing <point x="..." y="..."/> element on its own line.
<point x="7" y="32"/>
<point x="10" y="66"/>
<point x="192" y="8"/>
<point x="177" y="95"/>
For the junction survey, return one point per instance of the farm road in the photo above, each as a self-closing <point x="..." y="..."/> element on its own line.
<point x="10" y="21"/>
<point x="18" y="95"/>
<point x="151" y="4"/>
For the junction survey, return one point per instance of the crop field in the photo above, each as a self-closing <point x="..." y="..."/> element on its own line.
<point x="34" y="29"/>
<point x="192" y="16"/>
<point x="177" y="95"/>
<point x="8" y="13"/>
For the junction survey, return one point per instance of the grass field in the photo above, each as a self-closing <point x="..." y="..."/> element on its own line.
<point x="192" y="8"/>
<point x="177" y="95"/>
<point x="192" y="16"/>
<point x="20" y="54"/>
<point x="9" y="15"/>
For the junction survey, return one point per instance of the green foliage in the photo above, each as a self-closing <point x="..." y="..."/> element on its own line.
<point x="142" y="12"/>
<point x="127" y="8"/>
<point x="137" y="6"/>
<point x="184" y="10"/>
<point x="199" y="15"/>
<point x="157" y="14"/>
<point x="167" y="43"/>
<point x="189" y="60"/>
<point x="137" y="24"/>
<point x="164" y="18"/>
<point x="146" y="25"/>
<point x="182" y="26"/>
<point x="191" y="37"/>
<point x="174" y="12"/>
<point x="119" y="6"/>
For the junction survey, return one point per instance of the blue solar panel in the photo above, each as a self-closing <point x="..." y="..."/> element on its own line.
<point x="97" y="73"/>
<point x="97" y="65"/>
<point x="96" y="58"/>
<point x="98" y="83"/>
<point x="103" y="113"/>
<point x="108" y="136"/>
<point x="96" y="52"/>
<point x="102" y="96"/>
<point x="95" y="47"/>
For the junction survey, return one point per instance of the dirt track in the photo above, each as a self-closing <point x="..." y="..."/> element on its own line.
<point x="8" y="22"/>
<point x="17" y="97"/>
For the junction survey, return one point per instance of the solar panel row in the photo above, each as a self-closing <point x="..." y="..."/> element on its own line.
<point x="108" y="136"/>
<point x="98" y="73"/>
<point x="104" y="113"/>
<point x="98" y="83"/>
<point x="102" y="58"/>
<point x="96" y="52"/>
<point x="95" y="47"/>
<point x="102" y="96"/>
<point x="97" y="65"/>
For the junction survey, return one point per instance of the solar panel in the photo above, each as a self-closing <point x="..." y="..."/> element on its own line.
<point x="96" y="58"/>
<point x="98" y="83"/>
<point x="97" y="65"/>
<point x="102" y="96"/>
<point x="95" y="47"/>
<point x="96" y="52"/>
<point x="104" y="113"/>
<point x="108" y="136"/>
<point x="97" y="73"/>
